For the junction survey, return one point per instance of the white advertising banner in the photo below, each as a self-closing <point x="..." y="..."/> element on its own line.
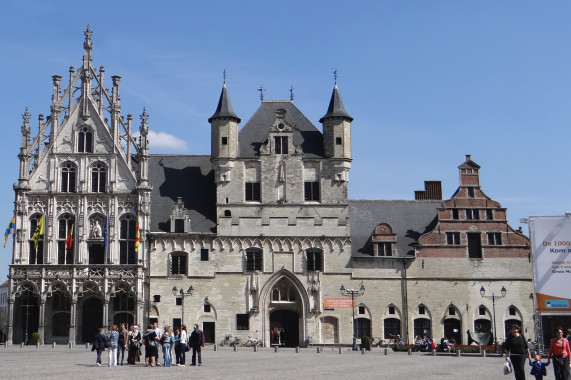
<point x="551" y="240"/>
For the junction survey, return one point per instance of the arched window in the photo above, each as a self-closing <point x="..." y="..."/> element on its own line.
<point x="68" y="174"/>
<point x="127" y="253"/>
<point x="36" y="250"/>
<point x="65" y="226"/>
<point x="98" y="178"/>
<point x="85" y="140"/>
<point x="124" y="302"/>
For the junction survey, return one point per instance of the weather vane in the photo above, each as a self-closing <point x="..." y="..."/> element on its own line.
<point x="335" y="75"/>
<point x="291" y="93"/>
<point x="261" y="89"/>
<point x="224" y="75"/>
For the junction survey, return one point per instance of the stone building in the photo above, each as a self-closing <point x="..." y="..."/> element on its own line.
<point x="258" y="236"/>
<point x="81" y="198"/>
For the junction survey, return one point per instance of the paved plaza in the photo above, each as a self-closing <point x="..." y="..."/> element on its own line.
<point x="61" y="362"/>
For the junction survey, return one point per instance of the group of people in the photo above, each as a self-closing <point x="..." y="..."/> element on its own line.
<point x="518" y="352"/>
<point x="118" y="340"/>
<point x="277" y="336"/>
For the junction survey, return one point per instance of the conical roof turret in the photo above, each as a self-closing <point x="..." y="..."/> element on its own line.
<point x="224" y="109"/>
<point x="336" y="107"/>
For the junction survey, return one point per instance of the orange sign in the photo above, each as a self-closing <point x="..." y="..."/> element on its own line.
<point x="337" y="303"/>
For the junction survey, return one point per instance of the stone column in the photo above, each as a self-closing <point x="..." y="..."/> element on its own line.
<point x="72" y="320"/>
<point x="10" y="321"/>
<point x="41" y="318"/>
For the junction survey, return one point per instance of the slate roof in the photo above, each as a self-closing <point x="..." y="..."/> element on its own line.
<point x="255" y="131"/>
<point x="336" y="107"/>
<point x="224" y="109"/>
<point x="409" y="220"/>
<point x="189" y="177"/>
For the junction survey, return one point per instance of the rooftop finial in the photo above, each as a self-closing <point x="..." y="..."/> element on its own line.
<point x="88" y="33"/>
<point x="291" y="93"/>
<point x="261" y="89"/>
<point x="224" y="76"/>
<point x="335" y="76"/>
<point x="144" y="116"/>
<point x="26" y="116"/>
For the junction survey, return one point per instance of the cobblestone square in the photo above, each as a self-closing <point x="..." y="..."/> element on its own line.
<point x="61" y="362"/>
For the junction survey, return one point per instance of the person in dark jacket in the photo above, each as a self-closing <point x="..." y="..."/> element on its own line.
<point x="99" y="346"/>
<point x="122" y="344"/>
<point x="195" y="341"/>
<point x="518" y="351"/>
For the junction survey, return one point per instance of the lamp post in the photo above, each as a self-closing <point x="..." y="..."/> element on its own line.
<point x="353" y="293"/>
<point x="493" y="298"/>
<point x="181" y="293"/>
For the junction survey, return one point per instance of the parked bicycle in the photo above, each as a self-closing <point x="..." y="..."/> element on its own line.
<point x="226" y="340"/>
<point x="235" y="342"/>
<point x="252" y="342"/>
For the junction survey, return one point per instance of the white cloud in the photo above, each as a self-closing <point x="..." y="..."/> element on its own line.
<point x="161" y="141"/>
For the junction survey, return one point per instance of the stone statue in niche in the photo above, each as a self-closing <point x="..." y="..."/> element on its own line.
<point x="96" y="230"/>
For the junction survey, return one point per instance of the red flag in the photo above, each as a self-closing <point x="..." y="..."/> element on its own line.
<point x="69" y="240"/>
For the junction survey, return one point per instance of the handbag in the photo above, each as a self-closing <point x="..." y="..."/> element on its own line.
<point x="187" y="348"/>
<point x="107" y="342"/>
<point x="508" y="368"/>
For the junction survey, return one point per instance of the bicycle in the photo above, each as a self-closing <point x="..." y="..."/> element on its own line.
<point x="252" y="342"/>
<point x="226" y="340"/>
<point x="235" y="342"/>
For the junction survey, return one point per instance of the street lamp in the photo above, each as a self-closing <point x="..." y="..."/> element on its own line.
<point x="181" y="293"/>
<point x="493" y="298"/>
<point x="353" y="293"/>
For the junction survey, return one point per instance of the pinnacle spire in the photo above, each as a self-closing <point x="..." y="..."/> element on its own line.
<point x="336" y="107"/>
<point x="224" y="109"/>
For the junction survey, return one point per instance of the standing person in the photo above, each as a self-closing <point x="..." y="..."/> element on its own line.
<point x="196" y="342"/>
<point x="151" y="342"/>
<point x="518" y="351"/>
<point x="134" y="355"/>
<point x="99" y="346"/>
<point x="182" y="346"/>
<point x="559" y="349"/>
<point x="122" y="343"/>
<point x="177" y="346"/>
<point x="113" y="337"/>
<point x="166" y="341"/>
<point x="158" y="333"/>
<point x="282" y="337"/>
<point x="538" y="367"/>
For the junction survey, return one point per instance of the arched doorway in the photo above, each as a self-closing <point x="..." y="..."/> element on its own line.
<point x="92" y="320"/>
<point x="287" y="323"/>
<point x="26" y="319"/>
<point x="452" y="328"/>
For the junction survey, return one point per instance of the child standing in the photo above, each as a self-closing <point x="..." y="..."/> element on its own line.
<point x="538" y="367"/>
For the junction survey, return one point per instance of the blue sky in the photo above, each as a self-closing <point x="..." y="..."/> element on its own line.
<point x="427" y="82"/>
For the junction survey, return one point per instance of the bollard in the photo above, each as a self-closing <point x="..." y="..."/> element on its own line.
<point x="70" y="345"/>
<point x="410" y="351"/>
<point x="340" y="350"/>
<point x="87" y="345"/>
<point x="297" y="350"/>
<point x="37" y="344"/>
<point x="318" y="350"/>
<point x="433" y="352"/>
<point x="458" y="353"/>
<point x="362" y="351"/>
<point x="215" y="347"/>
<point x="22" y="345"/>
<point x="255" y="348"/>
<point x="54" y="345"/>
<point x="275" y="348"/>
<point x="483" y="353"/>
<point x="386" y="351"/>
<point x="235" y="348"/>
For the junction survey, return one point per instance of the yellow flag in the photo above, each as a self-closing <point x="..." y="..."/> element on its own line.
<point x="38" y="232"/>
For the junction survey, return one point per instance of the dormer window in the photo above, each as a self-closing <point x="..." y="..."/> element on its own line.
<point x="180" y="218"/>
<point x="281" y="144"/>
<point x="383" y="241"/>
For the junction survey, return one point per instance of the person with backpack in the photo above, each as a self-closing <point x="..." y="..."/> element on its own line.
<point x="517" y="351"/>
